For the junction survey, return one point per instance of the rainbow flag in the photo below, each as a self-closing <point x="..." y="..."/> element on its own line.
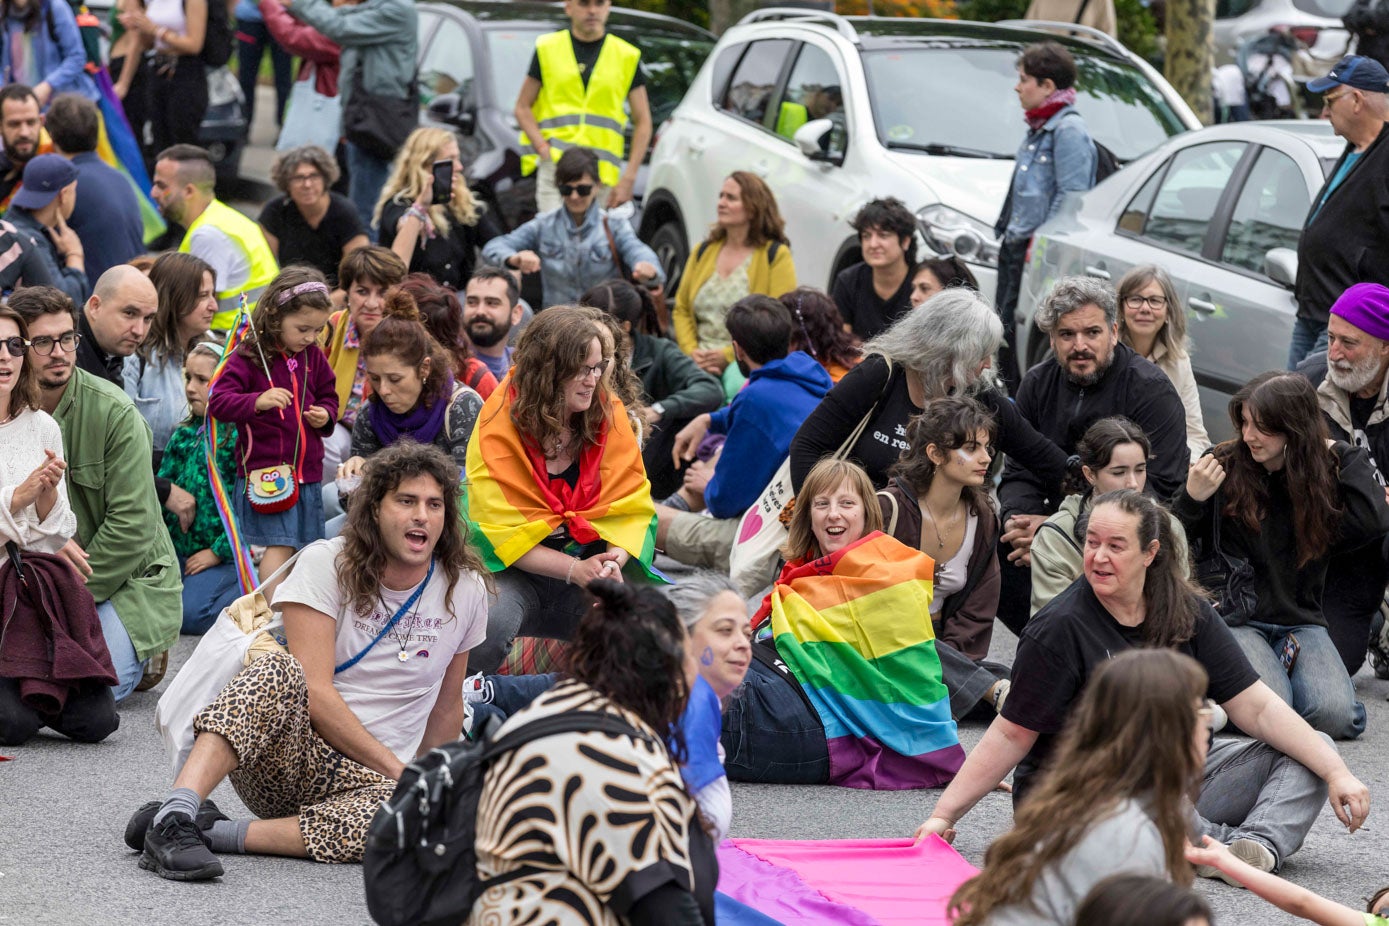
<point x="511" y="505"/>
<point x="855" y="630"/>
<point x="245" y="567"/>
<point x="118" y="148"/>
<point x="838" y="882"/>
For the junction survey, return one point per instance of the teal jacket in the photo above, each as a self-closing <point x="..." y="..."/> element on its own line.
<point x="111" y="490"/>
<point x="378" y="36"/>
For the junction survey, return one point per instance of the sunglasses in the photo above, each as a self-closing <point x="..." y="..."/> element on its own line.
<point x="17" y="346"/>
<point x="569" y="189"/>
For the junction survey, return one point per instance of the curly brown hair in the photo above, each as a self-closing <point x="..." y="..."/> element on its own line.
<point x="617" y="348"/>
<point x="362" y="561"/>
<point x="1129" y="738"/>
<point x="946" y="424"/>
<point x="818" y="329"/>
<point x="402" y="334"/>
<point x="765" y="223"/>
<point x="442" y="316"/>
<point x="276" y="302"/>
<point x="552" y="350"/>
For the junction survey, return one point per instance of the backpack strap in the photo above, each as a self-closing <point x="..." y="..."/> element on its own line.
<point x="890" y="528"/>
<point x="1063" y="533"/>
<point x="699" y="251"/>
<point x="772" y="252"/>
<point x="571" y="722"/>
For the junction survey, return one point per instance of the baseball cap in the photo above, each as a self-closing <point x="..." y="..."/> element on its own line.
<point x="44" y="178"/>
<point x="1355" y="71"/>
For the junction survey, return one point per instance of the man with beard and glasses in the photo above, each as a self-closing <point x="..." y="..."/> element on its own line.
<point x="121" y="548"/>
<point x="1092" y="375"/>
<point x="21" y="130"/>
<point x="1351" y="382"/>
<point x="491" y="308"/>
<point x="783" y="387"/>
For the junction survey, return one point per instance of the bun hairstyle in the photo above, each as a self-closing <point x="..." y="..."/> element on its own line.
<point x="630" y="647"/>
<point x="442" y="316"/>
<point x="402" y="334"/>
<point x="1096" y="449"/>
<point x="295" y="289"/>
<point x="626" y="303"/>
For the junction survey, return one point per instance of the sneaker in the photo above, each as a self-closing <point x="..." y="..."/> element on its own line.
<point x="139" y="824"/>
<point x="155" y="668"/>
<point x="174" y="849"/>
<point x="1219" y="719"/>
<point x="1378" y="651"/>
<point x="1001" y="694"/>
<point x="1250" y="851"/>
<point x="477" y="689"/>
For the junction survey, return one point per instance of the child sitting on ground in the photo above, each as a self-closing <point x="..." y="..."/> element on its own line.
<point x="1286" y="896"/>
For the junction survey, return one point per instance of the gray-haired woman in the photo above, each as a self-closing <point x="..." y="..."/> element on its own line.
<point x="308" y="223"/>
<point x="945" y="347"/>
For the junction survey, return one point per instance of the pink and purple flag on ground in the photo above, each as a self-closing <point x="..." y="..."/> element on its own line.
<point x="844" y="882"/>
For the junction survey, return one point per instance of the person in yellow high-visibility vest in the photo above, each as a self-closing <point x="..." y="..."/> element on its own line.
<point x="230" y="242"/>
<point x="573" y="95"/>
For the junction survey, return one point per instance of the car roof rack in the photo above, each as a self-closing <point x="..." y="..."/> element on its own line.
<point x="1075" y="29"/>
<point x="803" y="15"/>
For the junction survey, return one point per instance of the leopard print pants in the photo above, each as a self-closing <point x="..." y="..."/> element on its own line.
<point x="285" y="769"/>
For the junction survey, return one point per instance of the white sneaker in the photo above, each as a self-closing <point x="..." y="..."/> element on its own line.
<point x="477" y="689"/>
<point x="1250" y="851"/>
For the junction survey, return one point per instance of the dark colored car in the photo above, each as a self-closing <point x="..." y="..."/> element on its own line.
<point x="473" y="58"/>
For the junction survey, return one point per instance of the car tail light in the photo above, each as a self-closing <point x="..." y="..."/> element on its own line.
<point x="1307" y="35"/>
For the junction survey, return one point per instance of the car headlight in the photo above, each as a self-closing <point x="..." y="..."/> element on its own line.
<point x="949" y="231"/>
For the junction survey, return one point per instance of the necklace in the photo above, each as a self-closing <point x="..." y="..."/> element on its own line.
<point x="404" y="641"/>
<point x="940" y="540"/>
<point x="560" y="443"/>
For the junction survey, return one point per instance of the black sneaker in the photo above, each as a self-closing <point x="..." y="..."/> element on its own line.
<point x="139" y="824"/>
<point x="174" y="849"/>
<point x="1378" y="651"/>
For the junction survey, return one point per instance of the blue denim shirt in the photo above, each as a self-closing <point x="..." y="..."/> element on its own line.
<point x="572" y="257"/>
<point x="1054" y="160"/>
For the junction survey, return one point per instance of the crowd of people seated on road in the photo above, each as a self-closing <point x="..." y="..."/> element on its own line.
<point x="449" y="507"/>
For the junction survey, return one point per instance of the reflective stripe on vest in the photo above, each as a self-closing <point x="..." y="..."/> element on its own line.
<point x="248" y="237"/>
<point x="571" y="115"/>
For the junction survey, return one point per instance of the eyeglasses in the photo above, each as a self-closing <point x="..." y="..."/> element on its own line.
<point x="16" y="346"/>
<point x="43" y="345"/>
<point x="569" y="189"/>
<point x="314" y="177"/>
<point x="1153" y="302"/>
<point x="1330" y="99"/>
<point x="596" y="370"/>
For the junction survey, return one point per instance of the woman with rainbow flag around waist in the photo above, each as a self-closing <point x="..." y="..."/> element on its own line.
<point x="845" y="685"/>
<point x="556" y="492"/>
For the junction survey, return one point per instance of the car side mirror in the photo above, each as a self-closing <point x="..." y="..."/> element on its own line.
<point x="813" y="139"/>
<point x="450" y="109"/>
<point x="1280" y="266"/>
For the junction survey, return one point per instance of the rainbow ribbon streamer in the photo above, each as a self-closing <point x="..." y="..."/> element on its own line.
<point x="245" y="568"/>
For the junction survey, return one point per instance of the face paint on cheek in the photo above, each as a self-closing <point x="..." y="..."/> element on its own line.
<point x="706" y="658"/>
<point x="962" y="456"/>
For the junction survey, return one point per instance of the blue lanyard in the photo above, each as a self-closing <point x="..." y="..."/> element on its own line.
<point x="409" y="603"/>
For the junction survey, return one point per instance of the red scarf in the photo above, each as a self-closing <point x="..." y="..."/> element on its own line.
<point x="1059" y="100"/>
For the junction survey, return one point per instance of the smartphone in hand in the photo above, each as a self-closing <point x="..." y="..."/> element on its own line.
<point x="443" y="182"/>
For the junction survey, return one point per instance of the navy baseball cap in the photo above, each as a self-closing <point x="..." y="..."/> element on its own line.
<point x="44" y="178"/>
<point x="1355" y="71"/>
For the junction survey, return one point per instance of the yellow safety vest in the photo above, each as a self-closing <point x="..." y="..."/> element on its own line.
<point x="571" y="115"/>
<point x="791" y="117"/>
<point x="251" y="240"/>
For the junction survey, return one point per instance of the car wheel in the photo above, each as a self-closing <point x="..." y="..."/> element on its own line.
<point x="672" y="250"/>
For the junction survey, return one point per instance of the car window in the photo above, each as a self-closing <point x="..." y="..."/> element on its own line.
<point x="1269" y="212"/>
<point x="1331" y="9"/>
<point x="754" y="81"/>
<point x="1123" y="109"/>
<point x="669" y="64"/>
<point x="447" y="65"/>
<point x="1190" y="191"/>
<point x="1132" y="218"/>
<point x="723" y="69"/>
<point x="1229" y="9"/>
<point x="813" y="91"/>
<point x="509" y="53"/>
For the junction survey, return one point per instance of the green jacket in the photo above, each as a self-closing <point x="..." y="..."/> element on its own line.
<point x="111" y="489"/>
<point x="184" y="463"/>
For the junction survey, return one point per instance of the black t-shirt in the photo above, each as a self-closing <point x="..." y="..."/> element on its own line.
<point x="1067" y="640"/>
<point x="318" y="247"/>
<point x="860" y="306"/>
<point x="586" y="53"/>
<point x="1361" y="410"/>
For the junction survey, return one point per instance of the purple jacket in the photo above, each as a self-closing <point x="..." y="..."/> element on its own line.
<point x="268" y="438"/>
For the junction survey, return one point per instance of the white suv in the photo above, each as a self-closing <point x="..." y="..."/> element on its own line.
<point x="836" y="111"/>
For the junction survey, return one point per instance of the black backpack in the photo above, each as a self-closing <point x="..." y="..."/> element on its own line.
<point x="420" y="865"/>
<point x="217" y="41"/>
<point x="1105" y="161"/>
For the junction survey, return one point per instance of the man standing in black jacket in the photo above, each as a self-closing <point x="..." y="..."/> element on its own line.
<point x="1092" y="376"/>
<point x="1345" y="239"/>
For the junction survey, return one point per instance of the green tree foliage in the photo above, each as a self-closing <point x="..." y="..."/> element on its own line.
<point x="692" y="11"/>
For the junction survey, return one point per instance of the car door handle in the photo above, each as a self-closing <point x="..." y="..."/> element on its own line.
<point x="1098" y="273"/>
<point x="1201" y="305"/>
<point x="762" y="168"/>
<point x="697" y="147"/>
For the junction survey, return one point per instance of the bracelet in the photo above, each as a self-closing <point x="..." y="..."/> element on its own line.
<point x="418" y="213"/>
<point x="569" y="576"/>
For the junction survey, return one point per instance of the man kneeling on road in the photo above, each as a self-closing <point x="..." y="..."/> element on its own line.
<point x="379" y="623"/>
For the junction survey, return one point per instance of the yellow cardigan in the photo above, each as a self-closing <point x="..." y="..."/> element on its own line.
<point x="765" y="279"/>
<point x="341" y="358"/>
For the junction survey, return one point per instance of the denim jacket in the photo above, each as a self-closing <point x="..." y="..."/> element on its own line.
<point x="1052" y="161"/>
<point x="156" y="387"/>
<point x="573" y="258"/>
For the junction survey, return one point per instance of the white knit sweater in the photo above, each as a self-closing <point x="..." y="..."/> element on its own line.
<point x="25" y="439"/>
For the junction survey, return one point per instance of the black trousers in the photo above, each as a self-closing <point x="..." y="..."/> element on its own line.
<point x="1011" y="260"/>
<point x="88" y="716"/>
<point x="166" y="102"/>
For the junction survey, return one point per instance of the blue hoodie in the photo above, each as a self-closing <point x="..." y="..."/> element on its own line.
<point x="760" y="423"/>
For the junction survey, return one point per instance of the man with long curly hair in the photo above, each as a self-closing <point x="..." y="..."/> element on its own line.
<point x="379" y="622"/>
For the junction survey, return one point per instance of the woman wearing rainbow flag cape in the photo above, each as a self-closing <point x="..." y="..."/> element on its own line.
<point x="845" y="686"/>
<point x="556" y="492"/>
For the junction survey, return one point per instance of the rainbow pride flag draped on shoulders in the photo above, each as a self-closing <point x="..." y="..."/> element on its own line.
<point x="510" y="505"/>
<point x="855" y="630"/>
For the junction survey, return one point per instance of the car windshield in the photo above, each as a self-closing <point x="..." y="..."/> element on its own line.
<point x="670" y="63"/>
<point x="1332" y="9"/>
<point x="1123" y="110"/>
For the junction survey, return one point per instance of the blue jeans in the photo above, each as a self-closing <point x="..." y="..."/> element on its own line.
<point x="252" y="41"/>
<point x="1318" y="688"/>
<point x="1309" y="338"/>
<point x="771" y="734"/>
<point x="1252" y="791"/>
<point x="366" y="176"/>
<point x="205" y="594"/>
<point x="129" y="669"/>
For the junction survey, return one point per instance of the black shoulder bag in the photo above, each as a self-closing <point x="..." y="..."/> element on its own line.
<point x="1229" y="579"/>
<point x="376" y="123"/>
